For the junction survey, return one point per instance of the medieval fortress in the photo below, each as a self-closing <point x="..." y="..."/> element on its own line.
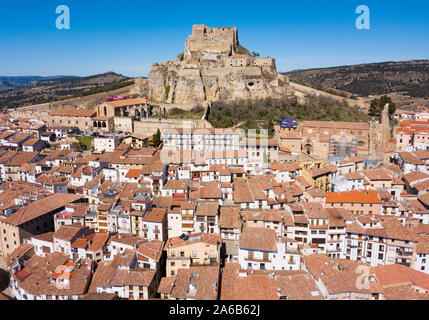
<point x="213" y="67"/>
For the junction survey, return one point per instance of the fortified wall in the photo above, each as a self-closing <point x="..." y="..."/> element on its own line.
<point x="149" y="126"/>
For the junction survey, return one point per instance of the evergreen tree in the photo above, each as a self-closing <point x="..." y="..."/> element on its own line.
<point x="377" y="106"/>
<point x="157" y="138"/>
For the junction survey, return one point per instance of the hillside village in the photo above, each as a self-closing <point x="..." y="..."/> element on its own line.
<point x="113" y="202"/>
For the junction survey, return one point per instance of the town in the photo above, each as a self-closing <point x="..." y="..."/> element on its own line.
<point x="119" y="222"/>
<point x="117" y="202"/>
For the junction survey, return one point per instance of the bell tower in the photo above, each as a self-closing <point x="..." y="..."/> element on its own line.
<point x="385" y="128"/>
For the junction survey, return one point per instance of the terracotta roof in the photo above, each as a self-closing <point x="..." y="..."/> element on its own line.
<point x="299" y="286"/>
<point x="126" y="102"/>
<point x="316" y="192"/>
<point x="18" y="253"/>
<point x="315" y="210"/>
<point x="249" y="287"/>
<point x="22" y="158"/>
<point x="155" y="215"/>
<point x="415" y="176"/>
<point x="207" y="209"/>
<point x="424" y="199"/>
<point x="230" y="218"/>
<point x="259" y="239"/>
<point x="409" y="157"/>
<point x="203" y="279"/>
<point x="396" y="274"/>
<point x="367" y="196"/>
<point x="41" y="207"/>
<point x="353" y="176"/>
<point x="68" y="232"/>
<point x="133" y="173"/>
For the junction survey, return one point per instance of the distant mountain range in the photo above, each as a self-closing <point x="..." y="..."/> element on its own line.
<point x="30" y="90"/>
<point x="9" y="83"/>
<point x="402" y="80"/>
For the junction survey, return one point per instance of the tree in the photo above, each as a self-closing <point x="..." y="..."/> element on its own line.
<point x="270" y="127"/>
<point x="84" y="143"/>
<point x="255" y="54"/>
<point x="157" y="138"/>
<point x="377" y="106"/>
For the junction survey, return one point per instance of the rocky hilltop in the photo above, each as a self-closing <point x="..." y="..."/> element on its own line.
<point x="213" y="67"/>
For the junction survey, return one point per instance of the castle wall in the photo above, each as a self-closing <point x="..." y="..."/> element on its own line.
<point x="150" y="126"/>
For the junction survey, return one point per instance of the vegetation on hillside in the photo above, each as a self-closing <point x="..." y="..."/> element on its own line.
<point x="377" y="107"/>
<point x="177" y="113"/>
<point x="264" y="114"/>
<point x="54" y="89"/>
<point x="90" y="92"/>
<point x="243" y="50"/>
<point x="407" y="77"/>
<point x="84" y="143"/>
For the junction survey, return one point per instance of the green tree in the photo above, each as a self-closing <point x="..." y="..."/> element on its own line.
<point x="377" y="106"/>
<point x="255" y="54"/>
<point x="84" y="143"/>
<point x="157" y="138"/>
<point x="270" y="127"/>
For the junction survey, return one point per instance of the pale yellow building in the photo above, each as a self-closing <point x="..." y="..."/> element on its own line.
<point x="192" y="250"/>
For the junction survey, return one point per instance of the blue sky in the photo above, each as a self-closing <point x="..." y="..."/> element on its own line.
<point x="127" y="36"/>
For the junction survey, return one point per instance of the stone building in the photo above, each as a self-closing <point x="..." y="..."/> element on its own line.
<point x="318" y="138"/>
<point x="76" y="118"/>
<point x="138" y="107"/>
<point x="323" y="139"/>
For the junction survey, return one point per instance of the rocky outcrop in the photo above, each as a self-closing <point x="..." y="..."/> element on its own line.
<point x="211" y="70"/>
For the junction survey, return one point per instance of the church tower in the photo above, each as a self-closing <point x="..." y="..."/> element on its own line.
<point x="385" y="128"/>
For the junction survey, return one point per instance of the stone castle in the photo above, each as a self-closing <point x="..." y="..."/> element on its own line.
<point x="213" y="67"/>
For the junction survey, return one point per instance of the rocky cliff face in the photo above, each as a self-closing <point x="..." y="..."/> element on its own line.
<point x="214" y="77"/>
<point x="182" y="85"/>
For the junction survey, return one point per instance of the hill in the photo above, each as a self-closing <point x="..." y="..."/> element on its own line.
<point x="37" y="90"/>
<point x="10" y="83"/>
<point x="266" y="113"/>
<point x="407" y="81"/>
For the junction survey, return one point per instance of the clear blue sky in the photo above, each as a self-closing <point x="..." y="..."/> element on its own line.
<point x="127" y="36"/>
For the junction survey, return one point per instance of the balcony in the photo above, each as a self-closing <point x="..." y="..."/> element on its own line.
<point x="257" y="260"/>
<point x="404" y="253"/>
<point x="177" y="258"/>
<point x="211" y="262"/>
